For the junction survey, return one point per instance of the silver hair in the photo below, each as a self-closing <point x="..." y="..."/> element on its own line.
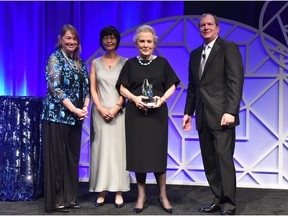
<point x="145" y="28"/>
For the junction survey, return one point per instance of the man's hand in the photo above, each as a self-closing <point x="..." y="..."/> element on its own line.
<point x="186" y="123"/>
<point x="227" y="119"/>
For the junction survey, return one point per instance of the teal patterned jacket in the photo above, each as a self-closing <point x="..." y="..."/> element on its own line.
<point x="64" y="82"/>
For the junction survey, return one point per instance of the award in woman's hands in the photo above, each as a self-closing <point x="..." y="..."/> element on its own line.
<point x="147" y="92"/>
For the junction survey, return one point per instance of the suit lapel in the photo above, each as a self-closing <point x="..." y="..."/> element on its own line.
<point x="197" y="61"/>
<point x="212" y="55"/>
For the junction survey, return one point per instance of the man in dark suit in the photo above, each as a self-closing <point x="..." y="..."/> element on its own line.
<point x="216" y="77"/>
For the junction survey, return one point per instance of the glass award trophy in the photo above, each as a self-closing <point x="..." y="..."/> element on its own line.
<point x="147" y="92"/>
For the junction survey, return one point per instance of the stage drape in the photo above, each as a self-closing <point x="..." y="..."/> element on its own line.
<point x="21" y="176"/>
<point x="29" y="30"/>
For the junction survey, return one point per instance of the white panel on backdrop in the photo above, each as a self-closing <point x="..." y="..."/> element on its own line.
<point x="261" y="153"/>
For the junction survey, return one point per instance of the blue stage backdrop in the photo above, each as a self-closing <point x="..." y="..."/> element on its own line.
<point x="29" y="30"/>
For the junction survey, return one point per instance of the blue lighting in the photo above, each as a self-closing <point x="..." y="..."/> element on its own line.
<point x="29" y="30"/>
<point x="2" y="81"/>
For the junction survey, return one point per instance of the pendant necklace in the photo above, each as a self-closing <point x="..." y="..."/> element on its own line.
<point x="112" y="59"/>
<point x="145" y="64"/>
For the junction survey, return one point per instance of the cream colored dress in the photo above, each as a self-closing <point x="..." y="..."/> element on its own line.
<point x="107" y="139"/>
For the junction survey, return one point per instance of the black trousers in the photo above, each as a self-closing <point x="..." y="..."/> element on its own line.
<point x="217" y="149"/>
<point x="61" y="146"/>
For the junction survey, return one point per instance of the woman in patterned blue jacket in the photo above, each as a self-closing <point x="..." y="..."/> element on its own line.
<point x="64" y="109"/>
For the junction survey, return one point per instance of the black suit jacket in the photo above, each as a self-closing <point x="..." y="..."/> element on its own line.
<point x="219" y="90"/>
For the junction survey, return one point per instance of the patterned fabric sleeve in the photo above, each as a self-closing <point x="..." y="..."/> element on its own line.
<point x="53" y="78"/>
<point x="86" y="81"/>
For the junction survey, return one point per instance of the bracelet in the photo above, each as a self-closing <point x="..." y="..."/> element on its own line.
<point x="121" y="108"/>
<point x="164" y="98"/>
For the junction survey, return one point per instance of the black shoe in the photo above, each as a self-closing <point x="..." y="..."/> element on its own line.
<point x="74" y="206"/>
<point x="62" y="210"/>
<point x="97" y="204"/>
<point x="137" y="210"/>
<point x="228" y="212"/>
<point x="209" y="209"/>
<point x="102" y="195"/>
<point x="168" y="210"/>
<point x="119" y="205"/>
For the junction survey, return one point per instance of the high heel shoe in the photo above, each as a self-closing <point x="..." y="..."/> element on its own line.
<point x="103" y="195"/>
<point x="139" y="210"/>
<point x="119" y="205"/>
<point x="168" y="210"/>
<point x="98" y="204"/>
<point x="118" y="198"/>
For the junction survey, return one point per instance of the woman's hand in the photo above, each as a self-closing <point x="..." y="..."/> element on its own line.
<point x="85" y="109"/>
<point x="105" y="113"/>
<point x="159" y="101"/>
<point x="139" y="103"/>
<point x="80" y="113"/>
<point x="113" y="112"/>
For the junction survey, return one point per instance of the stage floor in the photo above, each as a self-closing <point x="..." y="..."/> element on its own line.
<point x="185" y="200"/>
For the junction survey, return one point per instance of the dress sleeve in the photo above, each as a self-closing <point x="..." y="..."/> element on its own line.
<point x="86" y="81"/>
<point x="171" y="76"/>
<point x="124" y="76"/>
<point x="53" y="78"/>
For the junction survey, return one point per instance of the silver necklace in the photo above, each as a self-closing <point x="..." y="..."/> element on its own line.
<point x="115" y="58"/>
<point x="74" y="67"/>
<point x="142" y="63"/>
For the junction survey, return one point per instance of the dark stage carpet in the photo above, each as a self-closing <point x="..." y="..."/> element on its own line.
<point x="185" y="200"/>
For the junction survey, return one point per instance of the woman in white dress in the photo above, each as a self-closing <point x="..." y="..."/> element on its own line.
<point x="107" y="134"/>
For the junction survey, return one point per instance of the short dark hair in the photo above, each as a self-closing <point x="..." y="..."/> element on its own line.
<point x="109" y="30"/>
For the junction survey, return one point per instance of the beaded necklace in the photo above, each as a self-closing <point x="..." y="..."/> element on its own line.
<point x="74" y="67"/>
<point x="148" y="63"/>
